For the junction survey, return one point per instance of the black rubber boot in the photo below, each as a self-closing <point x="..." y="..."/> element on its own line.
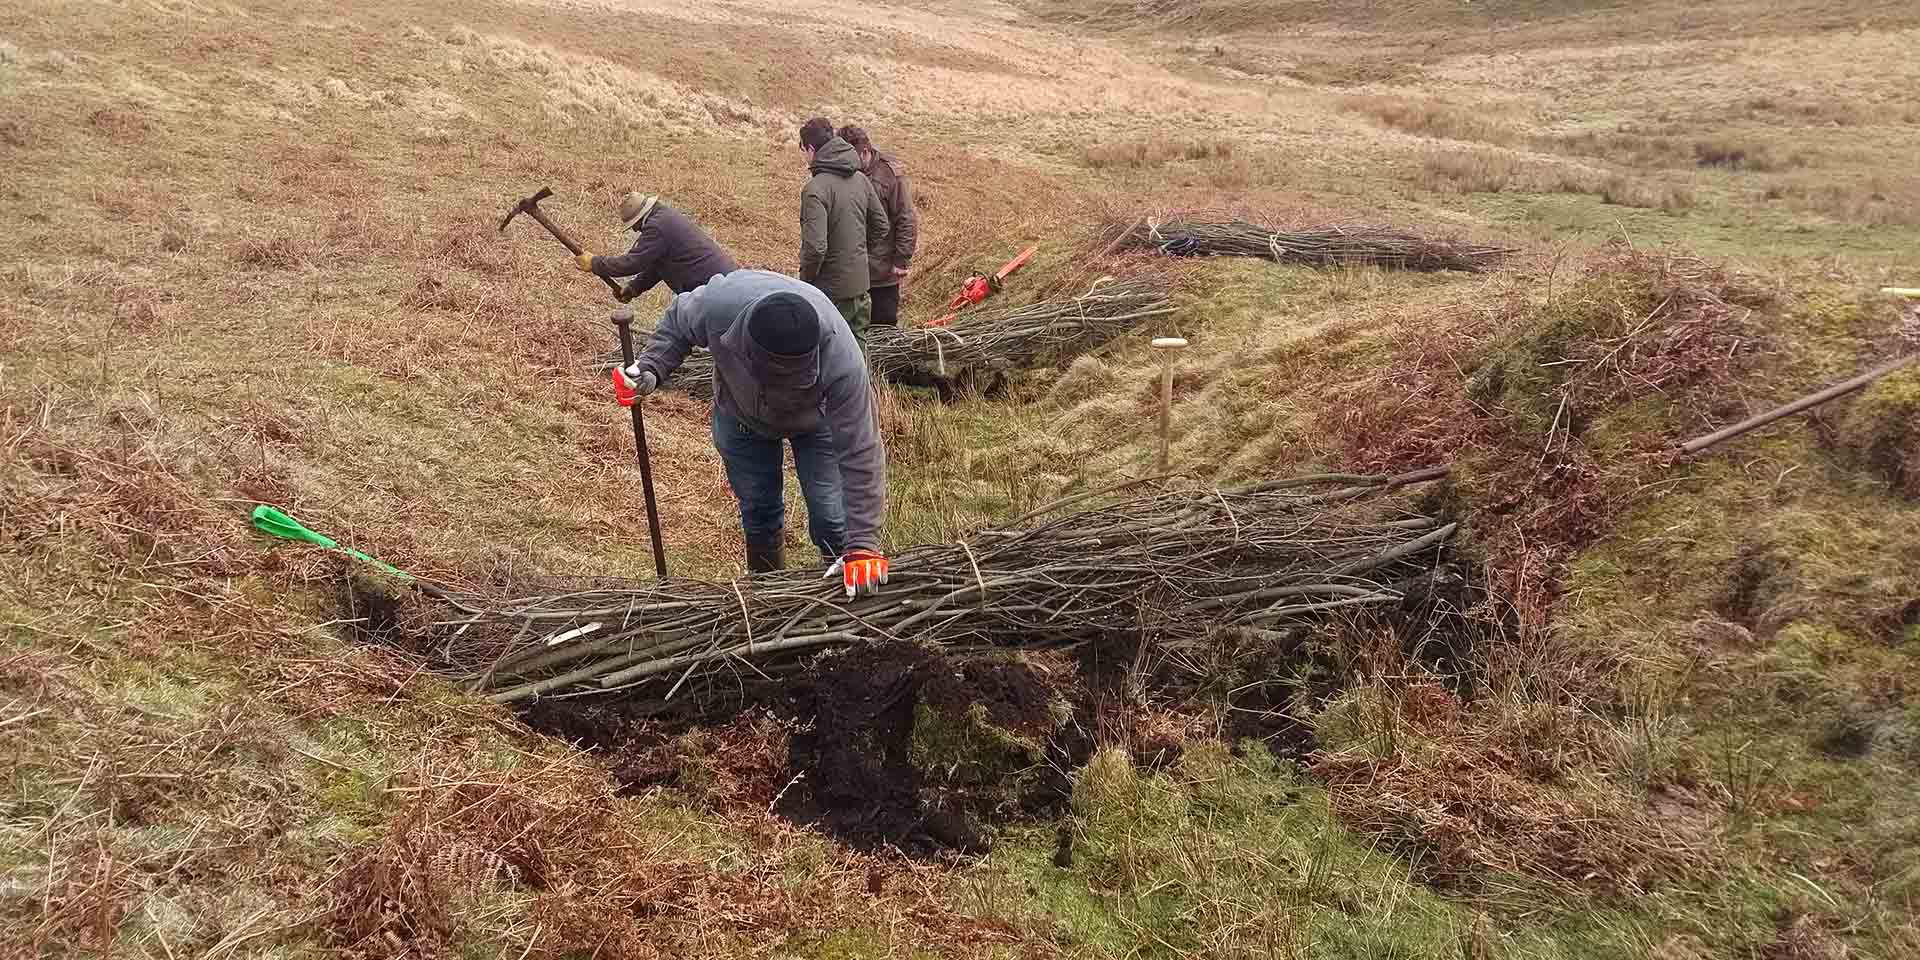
<point x="766" y="557"/>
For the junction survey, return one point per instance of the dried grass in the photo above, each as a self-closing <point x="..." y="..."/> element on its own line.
<point x="1433" y="118"/>
<point x="278" y="253"/>
<point x="479" y="248"/>
<point x="1471" y="799"/>
<point x="1646" y="195"/>
<point x="125" y="501"/>
<point x="1494" y="170"/>
<point x="119" y="125"/>
<point x="390" y="902"/>
<point x="606" y="881"/>
<point x="1633" y="327"/>
<point x="88" y="892"/>
<point x="1147" y="153"/>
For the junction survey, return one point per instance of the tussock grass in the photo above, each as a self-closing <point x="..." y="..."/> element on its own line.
<point x="1814" y="109"/>
<point x="1468" y="171"/>
<point x="1735" y="154"/>
<point x="277" y="253"/>
<point x="1628" y="192"/>
<point x="1881" y="430"/>
<point x="1493" y="170"/>
<point x="1880" y="200"/>
<point x="1433" y="118"/>
<point x="1146" y="153"/>
<point x="1352" y="71"/>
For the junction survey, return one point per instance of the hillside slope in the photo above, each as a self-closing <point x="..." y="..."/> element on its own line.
<point x="254" y="258"/>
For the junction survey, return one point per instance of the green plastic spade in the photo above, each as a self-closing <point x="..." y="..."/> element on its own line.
<point x="268" y="520"/>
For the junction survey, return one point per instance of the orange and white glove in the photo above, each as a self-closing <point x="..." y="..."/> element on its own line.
<point x="861" y="571"/>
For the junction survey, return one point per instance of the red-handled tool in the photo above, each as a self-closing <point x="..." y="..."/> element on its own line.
<point x="623" y="392"/>
<point x="976" y="289"/>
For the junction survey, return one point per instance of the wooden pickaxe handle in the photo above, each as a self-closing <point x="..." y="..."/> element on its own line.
<point x="554" y="228"/>
<point x="531" y="207"/>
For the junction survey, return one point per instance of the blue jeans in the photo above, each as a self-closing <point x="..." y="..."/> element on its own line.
<point x="753" y="471"/>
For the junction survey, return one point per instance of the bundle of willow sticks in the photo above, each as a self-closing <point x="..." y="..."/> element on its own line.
<point x="986" y="339"/>
<point x="1167" y="560"/>
<point x="1323" y="247"/>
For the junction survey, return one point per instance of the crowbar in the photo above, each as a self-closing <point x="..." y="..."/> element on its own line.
<point x="623" y="321"/>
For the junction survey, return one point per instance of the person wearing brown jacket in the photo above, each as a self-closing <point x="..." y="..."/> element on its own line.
<point x="889" y="266"/>
<point x="841" y="219"/>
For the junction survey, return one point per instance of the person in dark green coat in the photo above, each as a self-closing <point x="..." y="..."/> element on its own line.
<point x="841" y="218"/>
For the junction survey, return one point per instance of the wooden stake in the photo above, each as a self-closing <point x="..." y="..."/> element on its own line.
<point x="1811" y="400"/>
<point x="1168" y="347"/>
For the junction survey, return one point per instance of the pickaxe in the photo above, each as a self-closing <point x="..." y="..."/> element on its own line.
<point x="531" y="207"/>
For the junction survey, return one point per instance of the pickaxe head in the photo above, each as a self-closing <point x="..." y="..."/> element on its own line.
<point x="525" y="205"/>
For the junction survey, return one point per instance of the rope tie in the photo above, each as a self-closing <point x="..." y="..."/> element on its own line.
<point x="940" y="355"/>
<point x="1166" y="245"/>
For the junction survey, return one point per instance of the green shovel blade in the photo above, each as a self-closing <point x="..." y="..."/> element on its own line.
<point x="271" y="521"/>
<point x="268" y="520"/>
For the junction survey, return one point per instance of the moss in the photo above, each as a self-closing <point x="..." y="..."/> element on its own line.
<point x="970" y="749"/>
<point x="353" y="798"/>
<point x="1229" y="854"/>
<point x="1523" y="377"/>
<point x="1880" y="431"/>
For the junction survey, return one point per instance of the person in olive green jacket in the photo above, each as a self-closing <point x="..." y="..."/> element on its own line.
<point x="841" y="218"/>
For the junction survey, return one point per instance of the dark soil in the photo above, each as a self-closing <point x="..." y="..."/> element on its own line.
<point x="860" y="782"/>
<point x="1848" y="736"/>
<point x="1262" y="708"/>
<point x="1443" y="617"/>
<point x="1013" y="694"/>
<point x="849" y="758"/>
<point x="380" y="614"/>
<point x="1751" y="587"/>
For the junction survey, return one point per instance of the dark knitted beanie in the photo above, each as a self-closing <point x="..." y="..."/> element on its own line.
<point x="785" y="325"/>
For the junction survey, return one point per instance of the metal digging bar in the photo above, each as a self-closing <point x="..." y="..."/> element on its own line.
<point x="623" y="322"/>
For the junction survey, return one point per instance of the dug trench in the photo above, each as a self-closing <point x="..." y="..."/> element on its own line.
<point x="927" y="751"/>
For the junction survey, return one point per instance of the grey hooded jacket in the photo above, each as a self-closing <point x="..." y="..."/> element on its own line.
<point x="784" y="396"/>
<point x="841" y="219"/>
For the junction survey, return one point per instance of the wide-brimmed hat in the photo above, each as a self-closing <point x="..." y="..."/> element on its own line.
<point x="635" y="207"/>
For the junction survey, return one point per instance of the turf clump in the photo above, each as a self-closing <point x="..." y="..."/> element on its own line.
<point x="1880" y="431"/>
